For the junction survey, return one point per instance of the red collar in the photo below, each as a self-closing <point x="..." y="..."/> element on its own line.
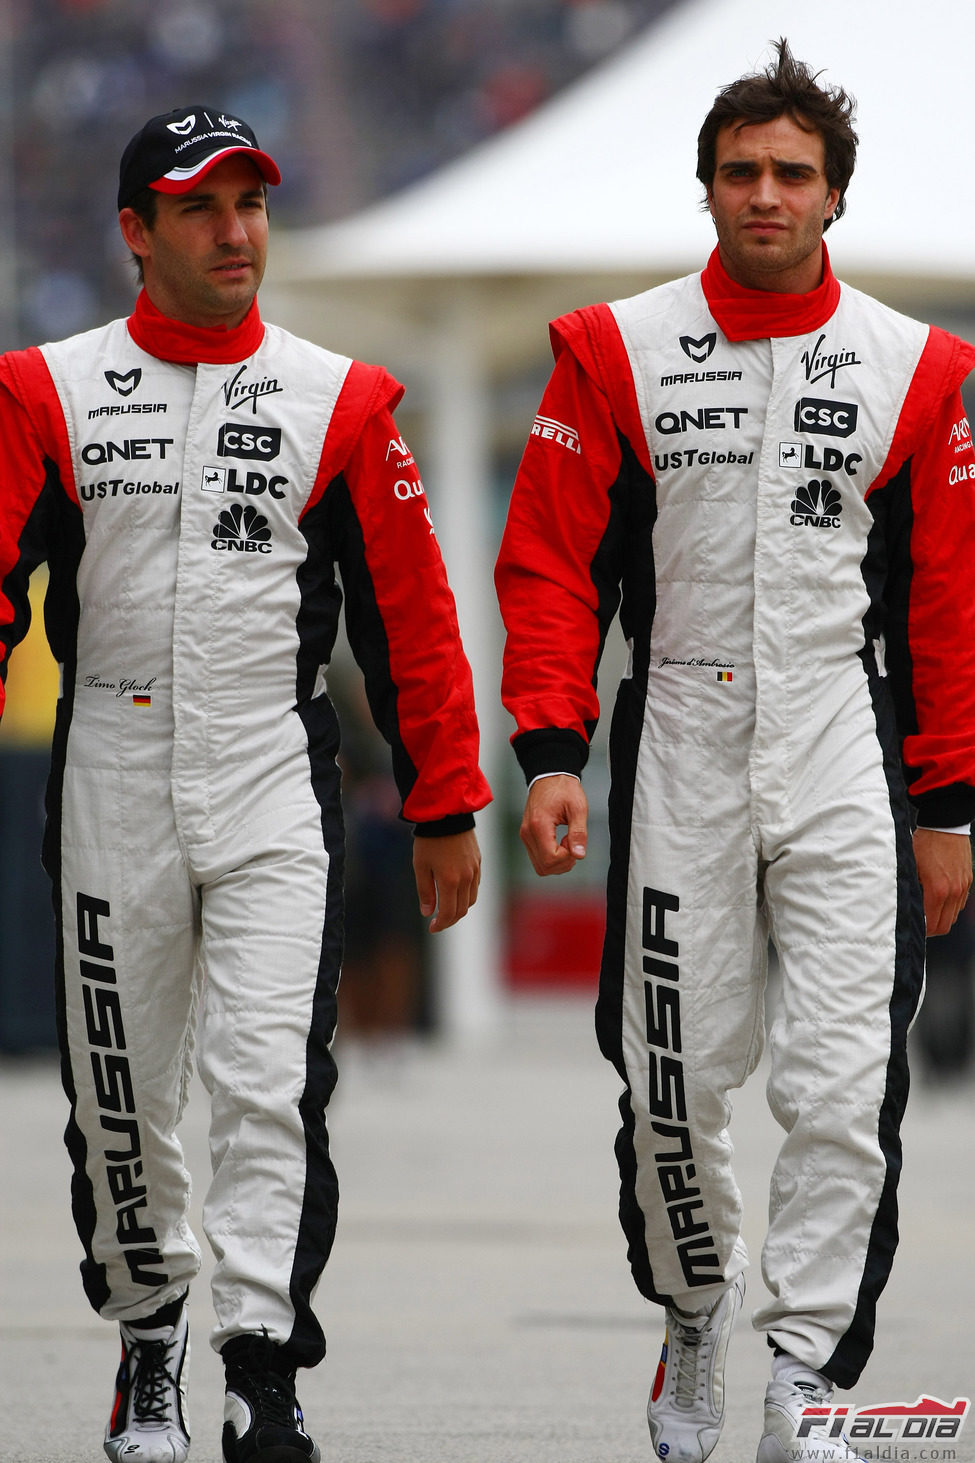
<point x="745" y="314"/>
<point x="192" y="345"/>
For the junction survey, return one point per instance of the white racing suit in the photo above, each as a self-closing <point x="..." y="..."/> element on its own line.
<point x="193" y="492"/>
<point x="780" y="496"/>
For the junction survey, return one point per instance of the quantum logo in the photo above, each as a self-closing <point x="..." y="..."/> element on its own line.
<point x="241" y="529"/>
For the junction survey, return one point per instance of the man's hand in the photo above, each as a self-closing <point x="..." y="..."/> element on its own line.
<point x="554" y="803"/>
<point x="944" y="867"/>
<point x="448" y="871"/>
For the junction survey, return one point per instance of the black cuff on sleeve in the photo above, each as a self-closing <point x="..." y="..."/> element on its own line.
<point x="443" y="827"/>
<point x="555" y="749"/>
<point x="946" y="807"/>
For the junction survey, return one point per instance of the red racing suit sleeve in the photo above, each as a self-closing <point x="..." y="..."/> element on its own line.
<point x="29" y="494"/>
<point x="399" y="609"/>
<point x="928" y="488"/>
<point x="564" y="547"/>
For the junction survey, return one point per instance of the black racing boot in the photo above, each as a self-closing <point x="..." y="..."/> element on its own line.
<point x="262" y="1418"/>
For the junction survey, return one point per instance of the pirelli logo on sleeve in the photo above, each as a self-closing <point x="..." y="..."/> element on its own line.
<point x="552" y="431"/>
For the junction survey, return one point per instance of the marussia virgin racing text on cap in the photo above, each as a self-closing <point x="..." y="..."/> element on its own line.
<point x="174" y="151"/>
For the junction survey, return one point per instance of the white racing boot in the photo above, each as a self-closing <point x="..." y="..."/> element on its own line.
<point x="686" y="1408"/>
<point x="790" y="1436"/>
<point x="148" y="1422"/>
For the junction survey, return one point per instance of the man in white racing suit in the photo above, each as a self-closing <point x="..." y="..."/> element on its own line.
<point x="771" y="476"/>
<point x="193" y="477"/>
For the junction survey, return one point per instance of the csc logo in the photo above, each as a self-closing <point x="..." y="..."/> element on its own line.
<point x="256" y="444"/>
<point x="826" y="418"/>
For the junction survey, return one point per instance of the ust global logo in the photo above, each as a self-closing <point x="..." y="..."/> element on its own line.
<point x="817" y="504"/>
<point x="241" y="529"/>
<point x="124" y="384"/>
<point x="698" y="350"/>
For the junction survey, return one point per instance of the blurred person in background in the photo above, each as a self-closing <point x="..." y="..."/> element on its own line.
<point x="771" y="476"/>
<point x="193" y="478"/>
<point x="381" y="998"/>
<point x="944" y="1033"/>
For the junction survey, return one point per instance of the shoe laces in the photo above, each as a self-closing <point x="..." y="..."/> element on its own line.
<point x="273" y="1397"/>
<point x="152" y="1381"/>
<point x="690" y="1361"/>
<point x="271" y="1394"/>
<point x="813" y="1396"/>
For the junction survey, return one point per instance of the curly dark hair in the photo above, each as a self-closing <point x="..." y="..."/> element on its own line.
<point x="790" y="88"/>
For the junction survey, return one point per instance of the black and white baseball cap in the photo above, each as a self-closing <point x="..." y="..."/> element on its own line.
<point x="174" y="151"/>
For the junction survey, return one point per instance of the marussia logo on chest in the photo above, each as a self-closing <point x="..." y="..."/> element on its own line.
<point x="124" y="384"/>
<point x="698" y="350"/>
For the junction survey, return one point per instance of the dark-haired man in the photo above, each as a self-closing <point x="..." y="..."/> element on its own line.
<point x="771" y="475"/>
<point x="193" y="478"/>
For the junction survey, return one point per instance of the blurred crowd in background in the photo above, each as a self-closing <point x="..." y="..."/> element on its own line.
<point x="353" y="98"/>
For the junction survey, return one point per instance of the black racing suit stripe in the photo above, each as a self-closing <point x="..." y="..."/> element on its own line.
<point x="887" y="577"/>
<point x="316" y="621"/>
<point x="341" y="528"/>
<point x="319" y="1211"/>
<point x="66" y="545"/>
<point x="627" y="544"/>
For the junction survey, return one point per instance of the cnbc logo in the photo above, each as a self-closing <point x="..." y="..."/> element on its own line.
<point x="242" y="530"/>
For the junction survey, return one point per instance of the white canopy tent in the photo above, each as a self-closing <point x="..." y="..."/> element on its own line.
<point x="452" y="281"/>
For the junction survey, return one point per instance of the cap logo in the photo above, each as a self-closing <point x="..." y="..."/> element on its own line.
<point x="173" y="152"/>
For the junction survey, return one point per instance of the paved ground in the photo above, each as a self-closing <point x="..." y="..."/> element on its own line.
<point x="478" y="1305"/>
